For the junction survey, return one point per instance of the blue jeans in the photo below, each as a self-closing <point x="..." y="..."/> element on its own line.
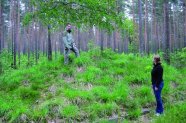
<point x="159" y="103"/>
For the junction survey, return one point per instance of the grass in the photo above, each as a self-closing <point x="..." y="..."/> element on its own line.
<point x="92" y="88"/>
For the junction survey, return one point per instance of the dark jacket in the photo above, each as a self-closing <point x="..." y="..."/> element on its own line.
<point x="157" y="74"/>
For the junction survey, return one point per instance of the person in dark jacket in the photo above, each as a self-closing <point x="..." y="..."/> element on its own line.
<point x="157" y="83"/>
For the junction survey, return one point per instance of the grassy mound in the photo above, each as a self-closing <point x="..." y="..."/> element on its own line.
<point x="95" y="87"/>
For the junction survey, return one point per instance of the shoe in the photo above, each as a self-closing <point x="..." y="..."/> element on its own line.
<point x="157" y="114"/>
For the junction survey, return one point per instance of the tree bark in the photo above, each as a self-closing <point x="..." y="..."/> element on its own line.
<point x="126" y="41"/>
<point x="1" y="24"/>
<point x="49" y="44"/>
<point x="14" y="21"/>
<point x="184" y="13"/>
<point x="167" y="33"/>
<point x="36" y="42"/>
<point x="109" y="40"/>
<point x="133" y="11"/>
<point x="141" y="42"/>
<point x="154" y="35"/>
<point x="78" y="39"/>
<point x="146" y="28"/>
<point x="114" y="36"/>
<point x="101" y="39"/>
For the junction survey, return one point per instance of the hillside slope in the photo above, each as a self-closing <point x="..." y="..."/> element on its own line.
<point x="96" y="87"/>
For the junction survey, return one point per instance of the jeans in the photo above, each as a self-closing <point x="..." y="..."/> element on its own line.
<point x="67" y="52"/>
<point x="159" y="103"/>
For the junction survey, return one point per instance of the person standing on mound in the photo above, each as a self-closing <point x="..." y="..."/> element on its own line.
<point x="157" y="83"/>
<point x="69" y="44"/>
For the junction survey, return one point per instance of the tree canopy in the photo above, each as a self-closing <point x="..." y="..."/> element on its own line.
<point x="102" y="13"/>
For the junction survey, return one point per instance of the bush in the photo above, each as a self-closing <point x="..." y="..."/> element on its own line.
<point x="178" y="59"/>
<point x="26" y="93"/>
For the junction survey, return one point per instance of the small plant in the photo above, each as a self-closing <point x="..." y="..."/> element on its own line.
<point x="26" y="93"/>
<point x="70" y="111"/>
<point x="101" y="93"/>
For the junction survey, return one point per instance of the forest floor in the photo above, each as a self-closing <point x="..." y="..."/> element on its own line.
<point x="96" y="87"/>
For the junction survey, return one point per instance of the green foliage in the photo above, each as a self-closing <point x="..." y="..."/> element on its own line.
<point x="90" y="74"/>
<point x="102" y="109"/>
<point x="145" y="92"/>
<point x="120" y="92"/>
<point x="134" y="113"/>
<point x="105" y="80"/>
<point x="178" y="59"/>
<point x="89" y="12"/>
<point x="27" y="93"/>
<point x="5" y="61"/>
<point x="70" y="111"/>
<point x="101" y="93"/>
<point x="134" y="108"/>
<point x="174" y="114"/>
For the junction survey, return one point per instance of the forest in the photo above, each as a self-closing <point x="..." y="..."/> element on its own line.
<point x="107" y="78"/>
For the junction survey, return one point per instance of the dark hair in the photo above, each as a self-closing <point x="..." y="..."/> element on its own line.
<point x="157" y="59"/>
<point x="68" y="24"/>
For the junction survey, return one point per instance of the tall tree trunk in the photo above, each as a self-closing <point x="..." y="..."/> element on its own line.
<point x="14" y="21"/>
<point x="55" y="45"/>
<point x="174" y="30"/>
<point x="29" y="42"/>
<point x="184" y="13"/>
<point x="109" y="40"/>
<point x="11" y="16"/>
<point x="164" y="32"/>
<point x="61" y="43"/>
<point x="114" y="36"/>
<point x="18" y="31"/>
<point x="36" y="42"/>
<point x="141" y="42"/>
<point x="49" y="44"/>
<point x="158" y="37"/>
<point x="126" y="41"/>
<point x="90" y="34"/>
<point x="154" y="35"/>
<point x="146" y="28"/>
<point x="101" y="38"/>
<point x="170" y="31"/>
<point x="1" y="24"/>
<point x="133" y="11"/>
<point x="79" y="39"/>
<point x="167" y="33"/>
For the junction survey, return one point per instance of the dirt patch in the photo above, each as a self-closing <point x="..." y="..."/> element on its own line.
<point x="145" y="111"/>
<point x="174" y="84"/>
<point x="26" y="83"/>
<point x="86" y="86"/>
<point x="145" y="119"/>
<point x="52" y="89"/>
<point x="69" y="79"/>
<point x="80" y="69"/>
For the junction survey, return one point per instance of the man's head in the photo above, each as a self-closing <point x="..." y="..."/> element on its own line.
<point x="69" y="28"/>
